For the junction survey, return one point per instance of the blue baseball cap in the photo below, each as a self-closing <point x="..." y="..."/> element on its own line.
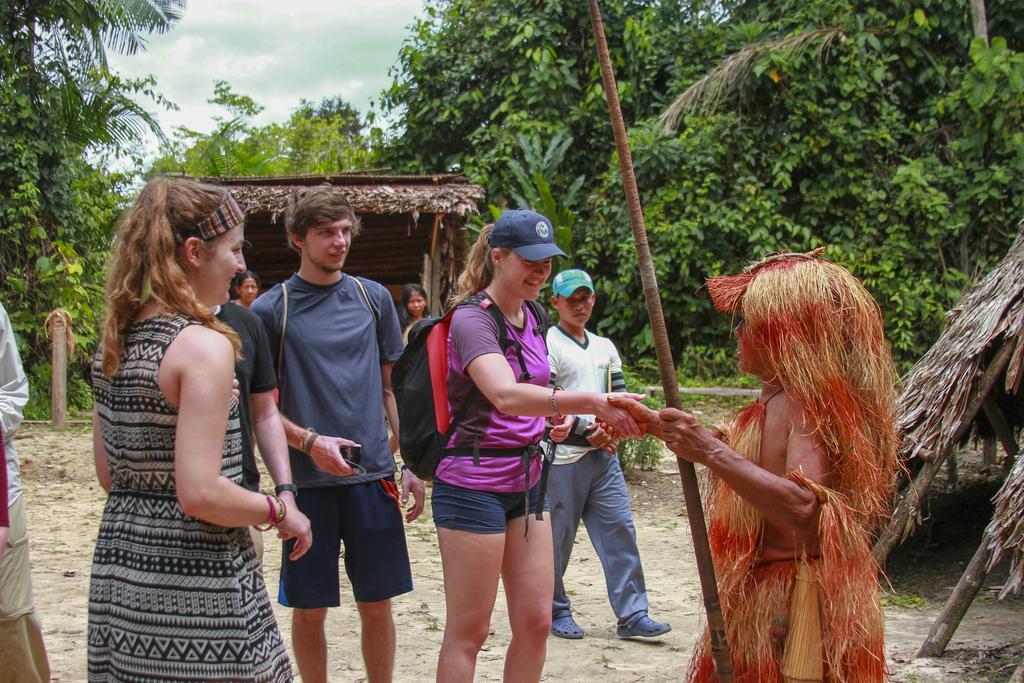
<point x="527" y="233"/>
<point x="568" y="281"/>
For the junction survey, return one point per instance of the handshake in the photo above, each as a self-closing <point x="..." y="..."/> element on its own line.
<point x="682" y="433"/>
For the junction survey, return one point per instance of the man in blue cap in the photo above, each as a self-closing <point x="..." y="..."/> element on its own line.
<point x="586" y="482"/>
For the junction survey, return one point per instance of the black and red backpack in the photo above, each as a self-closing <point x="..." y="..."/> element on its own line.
<point x="420" y="382"/>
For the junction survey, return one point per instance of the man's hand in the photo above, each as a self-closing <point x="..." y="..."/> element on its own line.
<point x="295" y="525"/>
<point x="560" y="430"/>
<point x="644" y="416"/>
<point x="598" y="437"/>
<point x="235" y="391"/>
<point x="686" y="436"/>
<point x="328" y="453"/>
<point x="412" y="483"/>
<point x="4" y="531"/>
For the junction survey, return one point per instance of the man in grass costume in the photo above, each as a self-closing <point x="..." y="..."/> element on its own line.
<point x="800" y="478"/>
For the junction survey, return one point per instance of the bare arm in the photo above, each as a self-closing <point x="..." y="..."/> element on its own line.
<point x="390" y="405"/>
<point x="269" y="431"/>
<point x="327" y="452"/>
<point x="785" y="504"/>
<point x="196" y="375"/>
<point x="410" y="482"/>
<point x="99" y="453"/>
<point x="494" y="377"/>
<point x="270" y="436"/>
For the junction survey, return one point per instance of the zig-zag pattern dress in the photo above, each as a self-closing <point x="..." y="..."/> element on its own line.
<point x="172" y="598"/>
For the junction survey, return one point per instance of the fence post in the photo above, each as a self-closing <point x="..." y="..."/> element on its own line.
<point x="59" y="324"/>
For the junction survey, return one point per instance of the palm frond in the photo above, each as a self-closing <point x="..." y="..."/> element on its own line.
<point x="127" y="22"/>
<point x="706" y="94"/>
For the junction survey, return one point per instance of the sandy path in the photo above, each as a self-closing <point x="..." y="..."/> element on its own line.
<point x="65" y="503"/>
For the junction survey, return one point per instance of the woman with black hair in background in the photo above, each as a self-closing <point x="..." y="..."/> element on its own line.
<point x="245" y="288"/>
<point x="412" y="307"/>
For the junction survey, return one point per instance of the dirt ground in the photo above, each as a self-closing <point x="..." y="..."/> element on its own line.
<point x="65" y="503"/>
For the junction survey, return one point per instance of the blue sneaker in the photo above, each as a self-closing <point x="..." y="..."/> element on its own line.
<point x="642" y="626"/>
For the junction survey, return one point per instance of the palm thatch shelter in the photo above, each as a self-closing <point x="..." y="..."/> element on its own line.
<point x="968" y="384"/>
<point x="413" y="226"/>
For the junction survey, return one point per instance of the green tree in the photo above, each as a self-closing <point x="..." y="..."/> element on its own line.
<point x="58" y="103"/>
<point x="475" y="75"/>
<point x="880" y="131"/>
<point x="325" y="137"/>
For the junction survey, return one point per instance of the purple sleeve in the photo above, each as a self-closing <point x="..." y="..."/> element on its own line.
<point x="474" y="333"/>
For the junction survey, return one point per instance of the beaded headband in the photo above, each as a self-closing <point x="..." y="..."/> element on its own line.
<point x="227" y="216"/>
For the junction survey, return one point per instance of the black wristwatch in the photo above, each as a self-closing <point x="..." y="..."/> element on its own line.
<point x="292" y="488"/>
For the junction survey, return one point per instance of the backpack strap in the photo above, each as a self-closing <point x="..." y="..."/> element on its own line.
<point x="504" y="341"/>
<point x="373" y="311"/>
<point x="280" y="341"/>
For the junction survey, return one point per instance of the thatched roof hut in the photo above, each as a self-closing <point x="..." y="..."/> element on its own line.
<point x="413" y="226"/>
<point x="968" y="384"/>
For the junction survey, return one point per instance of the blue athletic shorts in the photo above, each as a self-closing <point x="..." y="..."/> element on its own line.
<point x="481" y="512"/>
<point x="367" y="518"/>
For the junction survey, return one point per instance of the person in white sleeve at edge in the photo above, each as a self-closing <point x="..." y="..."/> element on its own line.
<point x="22" y="652"/>
<point x="586" y="482"/>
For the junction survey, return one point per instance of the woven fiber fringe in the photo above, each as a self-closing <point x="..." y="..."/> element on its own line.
<point x="756" y="598"/>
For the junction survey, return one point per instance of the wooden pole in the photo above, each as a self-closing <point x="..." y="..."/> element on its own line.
<point x="988" y="452"/>
<point x="59" y="381"/>
<point x="959" y="601"/>
<point x="1003" y="431"/>
<point x="666" y="368"/>
<point x="903" y="516"/>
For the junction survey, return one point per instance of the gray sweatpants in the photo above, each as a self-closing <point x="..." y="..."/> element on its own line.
<point x="593" y="489"/>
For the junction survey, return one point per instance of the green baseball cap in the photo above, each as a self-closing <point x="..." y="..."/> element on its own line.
<point x="568" y="281"/>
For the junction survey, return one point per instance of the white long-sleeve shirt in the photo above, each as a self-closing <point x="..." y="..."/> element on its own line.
<point x="13" y="397"/>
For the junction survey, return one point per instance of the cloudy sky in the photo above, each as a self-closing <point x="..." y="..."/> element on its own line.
<point x="275" y="52"/>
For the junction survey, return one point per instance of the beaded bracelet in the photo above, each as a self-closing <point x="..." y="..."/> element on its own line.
<point x="275" y="510"/>
<point x="554" y="403"/>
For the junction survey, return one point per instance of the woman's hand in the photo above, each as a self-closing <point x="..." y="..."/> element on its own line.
<point x="295" y="525"/>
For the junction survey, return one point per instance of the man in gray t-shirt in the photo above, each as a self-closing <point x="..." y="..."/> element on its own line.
<point x="337" y="338"/>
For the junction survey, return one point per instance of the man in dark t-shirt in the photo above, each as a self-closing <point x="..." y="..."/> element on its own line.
<point x="339" y="337"/>
<point x="255" y="374"/>
<point x="257" y="412"/>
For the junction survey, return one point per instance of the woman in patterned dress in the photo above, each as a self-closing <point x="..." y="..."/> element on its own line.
<point x="176" y="592"/>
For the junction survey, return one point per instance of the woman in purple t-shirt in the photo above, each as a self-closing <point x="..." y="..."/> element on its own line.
<point x="478" y="501"/>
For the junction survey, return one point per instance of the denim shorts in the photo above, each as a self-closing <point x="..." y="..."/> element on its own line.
<point x="481" y="512"/>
